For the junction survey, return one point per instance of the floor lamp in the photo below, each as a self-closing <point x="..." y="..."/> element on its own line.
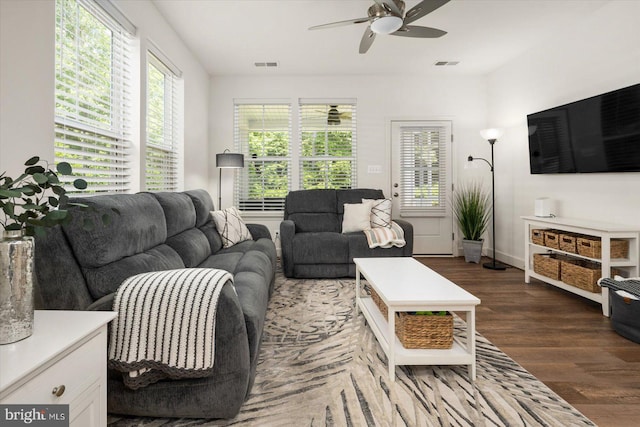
<point x="492" y="136"/>
<point x="227" y="160"/>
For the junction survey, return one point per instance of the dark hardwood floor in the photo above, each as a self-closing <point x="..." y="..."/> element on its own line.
<point x="561" y="338"/>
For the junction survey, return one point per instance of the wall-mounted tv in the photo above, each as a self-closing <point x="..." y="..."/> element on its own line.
<point x="597" y="134"/>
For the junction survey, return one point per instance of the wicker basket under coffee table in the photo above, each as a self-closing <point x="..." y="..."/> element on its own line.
<point x="402" y="285"/>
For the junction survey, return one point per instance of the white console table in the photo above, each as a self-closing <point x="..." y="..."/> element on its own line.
<point x="63" y="362"/>
<point x="605" y="231"/>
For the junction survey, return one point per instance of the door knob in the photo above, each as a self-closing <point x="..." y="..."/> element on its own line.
<point x="395" y="194"/>
<point x="395" y="185"/>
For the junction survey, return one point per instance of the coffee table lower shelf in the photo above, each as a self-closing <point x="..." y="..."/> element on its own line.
<point x="458" y="354"/>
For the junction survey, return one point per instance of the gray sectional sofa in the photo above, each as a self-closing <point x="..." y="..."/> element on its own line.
<point x="312" y="243"/>
<point x="80" y="269"/>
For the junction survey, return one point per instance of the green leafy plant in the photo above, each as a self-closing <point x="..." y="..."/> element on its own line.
<point x="35" y="199"/>
<point x="472" y="209"/>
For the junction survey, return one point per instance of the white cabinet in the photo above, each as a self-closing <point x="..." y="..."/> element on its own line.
<point x="63" y="362"/>
<point x="605" y="231"/>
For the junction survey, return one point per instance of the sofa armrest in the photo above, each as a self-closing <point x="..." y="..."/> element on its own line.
<point x="407" y="227"/>
<point x="103" y="304"/>
<point x="287" y="231"/>
<point x="259" y="231"/>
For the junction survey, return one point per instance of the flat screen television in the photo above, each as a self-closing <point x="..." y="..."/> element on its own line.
<point x="597" y="134"/>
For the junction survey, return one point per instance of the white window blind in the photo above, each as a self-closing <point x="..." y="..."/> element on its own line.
<point x="262" y="132"/>
<point x="327" y="144"/>
<point x="164" y="120"/>
<point x="93" y="95"/>
<point x="423" y="170"/>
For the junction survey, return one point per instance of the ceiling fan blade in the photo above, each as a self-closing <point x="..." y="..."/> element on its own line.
<point x="367" y="40"/>
<point x="390" y="5"/>
<point x="419" y="32"/>
<point x="340" y="23"/>
<point x="423" y="8"/>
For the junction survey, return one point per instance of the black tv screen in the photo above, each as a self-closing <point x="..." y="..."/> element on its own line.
<point x="597" y="134"/>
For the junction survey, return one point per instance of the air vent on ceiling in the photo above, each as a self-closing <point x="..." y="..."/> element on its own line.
<point x="441" y="63"/>
<point x="266" y="64"/>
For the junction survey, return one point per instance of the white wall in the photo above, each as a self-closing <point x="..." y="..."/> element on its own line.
<point x="379" y="99"/>
<point x="27" y="82"/>
<point x="152" y="26"/>
<point x="596" y="56"/>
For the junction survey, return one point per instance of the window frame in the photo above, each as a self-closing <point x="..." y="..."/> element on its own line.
<point x="253" y="161"/>
<point x="98" y="148"/>
<point x="163" y="154"/>
<point x="315" y="116"/>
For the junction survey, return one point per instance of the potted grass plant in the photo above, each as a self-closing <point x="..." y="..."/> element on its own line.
<point x="472" y="210"/>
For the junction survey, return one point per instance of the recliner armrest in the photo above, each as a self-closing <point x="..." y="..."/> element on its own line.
<point x="287" y="231"/>
<point x="259" y="231"/>
<point x="407" y="227"/>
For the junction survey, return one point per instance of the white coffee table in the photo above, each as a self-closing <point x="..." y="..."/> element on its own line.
<point x="405" y="284"/>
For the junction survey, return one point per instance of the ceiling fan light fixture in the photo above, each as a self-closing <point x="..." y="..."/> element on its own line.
<point x="386" y="24"/>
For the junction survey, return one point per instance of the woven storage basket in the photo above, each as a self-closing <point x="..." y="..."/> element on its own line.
<point x="537" y="236"/>
<point x="591" y="247"/>
<point x="552" y="239"/>
<point x="581" y="273"/>
<point x="569" y="242"/>
<point x="378" y="301"/>
<point x="548" y="265"/>
<point x="422" y="331"/>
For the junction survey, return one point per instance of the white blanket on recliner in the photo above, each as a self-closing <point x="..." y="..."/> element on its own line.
<point x="166" y="325"/>
<point x="384" y="237"/>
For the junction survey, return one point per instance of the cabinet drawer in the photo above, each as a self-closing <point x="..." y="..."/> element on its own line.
<point x="76" y="371"/>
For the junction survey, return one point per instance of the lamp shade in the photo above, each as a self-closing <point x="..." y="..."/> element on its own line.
<point x="490" y="134"/>
<point x="230" y="160"/>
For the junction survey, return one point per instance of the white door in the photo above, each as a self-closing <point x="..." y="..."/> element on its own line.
<point x="421" y="182"/>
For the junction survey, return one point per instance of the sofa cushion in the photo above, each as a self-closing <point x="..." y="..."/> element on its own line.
<point x="106" y="279"/>
<point x="211" y="233"/>
<point x="316" y="222"/>
<point x="192" y="246"/>
<point x="139" y="226"/>
<point x="231" y="227"/>
<point x="203" y="205"/>
<point x="355" y="196"/>
<point x="359" y="248"/>
<point x="380" y="213"/>
<point x="320" y="248"/>
<point x="357" y="217"/>
<point x="179" y="212"/>
<point x="311" y="201"/>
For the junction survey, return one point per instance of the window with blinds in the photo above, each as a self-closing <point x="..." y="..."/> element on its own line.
<point x="327" y="145"/>
<point x="423" y="170"/>
<point x="163" y="127"/>
<point x="93" y="95"/>
<point x="262" y="132"/>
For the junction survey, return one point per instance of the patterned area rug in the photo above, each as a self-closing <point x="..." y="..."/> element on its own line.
<point x="321" y="366"/>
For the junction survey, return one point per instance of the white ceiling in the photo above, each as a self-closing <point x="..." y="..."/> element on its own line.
<point x="229" y="36"/>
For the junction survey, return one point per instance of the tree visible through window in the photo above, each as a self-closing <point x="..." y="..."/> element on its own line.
<point x="93" y="100"/>
<point x="327" y="146"/>
<point x="263" y="135"/>
<point x="163" y="122"/>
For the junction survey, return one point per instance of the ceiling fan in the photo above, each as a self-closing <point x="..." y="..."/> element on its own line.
<point x="334" y="117"/>
<point x="388" y="17"/>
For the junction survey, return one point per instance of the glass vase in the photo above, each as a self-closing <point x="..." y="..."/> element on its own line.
<point x="16" y="286"/>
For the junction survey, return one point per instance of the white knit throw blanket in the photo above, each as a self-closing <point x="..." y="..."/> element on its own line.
<point x="166" y="325"/>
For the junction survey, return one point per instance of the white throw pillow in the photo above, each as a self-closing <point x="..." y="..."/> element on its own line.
<point x="357" y="217"/>
<point x="231" y="227"/>
<point x="380" y="213"/>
